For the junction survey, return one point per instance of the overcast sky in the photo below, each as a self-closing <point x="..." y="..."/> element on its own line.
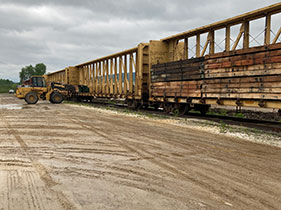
<point x="62" y="33"/>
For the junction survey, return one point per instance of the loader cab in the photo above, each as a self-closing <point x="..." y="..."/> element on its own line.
<point x="38" y="82"/>
<point x="35" y="81"/>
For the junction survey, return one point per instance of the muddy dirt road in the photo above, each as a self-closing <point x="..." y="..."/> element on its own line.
<point x="68" y="157"/>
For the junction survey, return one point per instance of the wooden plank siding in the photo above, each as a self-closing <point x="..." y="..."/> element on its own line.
<point x="246" y="74"/>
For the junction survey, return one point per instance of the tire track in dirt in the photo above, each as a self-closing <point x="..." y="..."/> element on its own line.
<point x="35" y="199"/>
<point x="141" y="178"/>
<point x="169" y="165"/>
<point x="93" y="173"/>
<point x="244" y="196"/>
<point x="43" y="173"/>
<point x="206" y="147"/>
<point x="9" y="189"/>
<point x="125" y="177"/>
<point x="158" y="155"/>
<point x="220" y="172"/>
<point x="224" y="173"/>
<point x="223" y="176"/>
<point x="109" y="135"/>
<point x="206" y="143"/>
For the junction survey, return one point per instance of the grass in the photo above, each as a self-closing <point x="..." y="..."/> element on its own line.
<point x="239" y="115"/>
<point x="224" y="112"/>
<point x="194" y="111"/>
<point x="6" y="88"/>
<point x="223" y="127"/>
<point x="212" y="112"/>
<point x="221" y="112"/>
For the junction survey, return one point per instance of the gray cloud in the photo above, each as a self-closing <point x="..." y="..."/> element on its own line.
<point x="60" y="33"/>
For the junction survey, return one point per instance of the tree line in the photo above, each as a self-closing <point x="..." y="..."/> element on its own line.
<point x="6" y="85"/>
<point x="29" y="71"/>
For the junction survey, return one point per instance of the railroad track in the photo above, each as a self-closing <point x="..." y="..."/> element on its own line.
<point x="263" y="125"/>
<point x="266" y="125"/>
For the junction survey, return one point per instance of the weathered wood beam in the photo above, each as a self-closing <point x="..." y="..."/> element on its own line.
<point x="131" y="82"/>
<point x="198" y="47"/>
<point x="120" y="76"/>
<point x="102" y="76"/>
<point x="186" y="48"/>
<point x="97" y="78"/>
<point x="111" y="76"/>
<point x="125" y="75"/>
<point x="206" y="45"/>
<point x="115" y="77"/>
<point x="91" y="77"/>
<point x="227" y="38"/>
<point x="80" y="76"/>
<point x="267" y="29"/>
<point x="212" y="42"/>
<point x="107" y="77"/>
<point x="246" y="37"/>
<point x="277" y="36"/>
<point x="94" y="76"/>
<point x="100" y="79"/>
<point x="238" y="37"/>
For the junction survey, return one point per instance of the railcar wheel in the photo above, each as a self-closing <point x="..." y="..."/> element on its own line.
<point x="145" y="106"/>
<point x="130" y="103"/>
<point x="31" y="98"/>
<point x="204" y="110"/>
<point x="134" y="104"/>
<point x="180" y="109"/>
<point x="56" y="98"/>
<point x="168" y="108"/>
<point x="156" y="107"/>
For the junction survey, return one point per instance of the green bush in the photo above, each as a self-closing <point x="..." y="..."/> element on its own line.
<point x="6" y="85"/>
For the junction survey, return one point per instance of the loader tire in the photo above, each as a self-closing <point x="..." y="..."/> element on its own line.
<point x="31" y="98"/>
<point x="56" y="98"/>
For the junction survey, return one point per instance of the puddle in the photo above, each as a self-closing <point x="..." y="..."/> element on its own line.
<point x="11" y="106"/>
<point x="22" y="106"/>
<point x="26" y="107"/>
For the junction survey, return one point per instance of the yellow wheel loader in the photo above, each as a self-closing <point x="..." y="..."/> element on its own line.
<point x="35" y="88"/>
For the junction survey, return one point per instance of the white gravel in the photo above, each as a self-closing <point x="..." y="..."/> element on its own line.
<point x="234" y="131"/>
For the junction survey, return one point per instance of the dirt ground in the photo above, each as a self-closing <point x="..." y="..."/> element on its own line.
<point x="64" y="156"/>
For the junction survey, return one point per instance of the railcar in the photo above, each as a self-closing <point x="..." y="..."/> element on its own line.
<point x="163" y="73"/>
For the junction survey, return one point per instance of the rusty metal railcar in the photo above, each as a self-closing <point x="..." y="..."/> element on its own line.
<point x="163" y="73"/>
